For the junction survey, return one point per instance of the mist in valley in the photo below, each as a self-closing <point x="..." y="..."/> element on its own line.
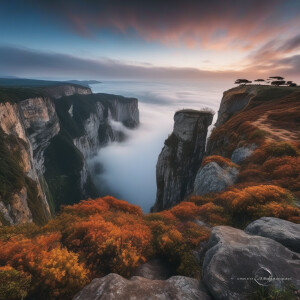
<point x="127" y="170"/>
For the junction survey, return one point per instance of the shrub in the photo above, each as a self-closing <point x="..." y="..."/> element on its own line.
<point x="13" y="284"/>
<point x="279" y="149"/>
<point x="185" y="210"/>
<point x="221" y="161"/>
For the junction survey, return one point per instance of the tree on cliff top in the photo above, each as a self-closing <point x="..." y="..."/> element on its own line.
<point x="259" y="80"/>
<point x="277" y="77"/>
<point x="278" y="82"/>
<point x="242" y="81"/>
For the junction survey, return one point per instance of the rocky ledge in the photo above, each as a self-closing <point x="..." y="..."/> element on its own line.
<point x="181" y="157"/>
<point x="114" y="286"/>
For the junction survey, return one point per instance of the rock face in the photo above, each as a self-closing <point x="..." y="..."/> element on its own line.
<point x="181" y="157"/>
<point x="241" y="153"/>
<point x="284" y="232"/>
<point x="54" y="132"/>
<point x="115" y="287"/>
<point x="234" y="100"/>
<point x="233" y="256"/>
<point x="153" y="269"/>
<point x="213" y="178"/>
<point x="57" y="92"/>
<point x="41" y="125"/>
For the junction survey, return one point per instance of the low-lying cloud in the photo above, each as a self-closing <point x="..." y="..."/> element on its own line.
<point x="30" y="63"/>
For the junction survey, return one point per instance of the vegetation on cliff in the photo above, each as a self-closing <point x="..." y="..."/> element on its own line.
<point x="94" y="238"/>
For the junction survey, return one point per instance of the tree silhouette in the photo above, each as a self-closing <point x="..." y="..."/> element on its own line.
<point x="242" y="81"/>
<point x="259" y="80"/>
<point x="278" y="82"/>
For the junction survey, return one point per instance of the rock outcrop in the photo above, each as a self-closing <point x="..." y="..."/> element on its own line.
<point x="234" y="260"/>
<point x="153" y="269"/>
<point x="241" y="153"/>
<point x="284" y="232"/>
<point x="213" y="178"/>
<point x="115" y="287"/>
<point x="181" y="157"/>
<point x="63" y="90"/>
<point x="234" y="100"/>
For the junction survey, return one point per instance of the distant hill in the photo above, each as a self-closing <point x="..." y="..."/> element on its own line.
<point x="84" y="82"/>
<point x="23" y="82"/>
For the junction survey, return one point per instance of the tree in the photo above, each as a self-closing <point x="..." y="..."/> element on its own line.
<point x="242" y="81"/>
<point x="277" y="77"/>
<point x="259" y="80"/>
<point x="278" y="82"/>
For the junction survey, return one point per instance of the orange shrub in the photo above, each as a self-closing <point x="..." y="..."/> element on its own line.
<point x="111" y="247"/>
<point x="60" y="273"/>
<point x="244" y="205"/>
<point x="220" y="160"/>
<point x="185" y="210"/>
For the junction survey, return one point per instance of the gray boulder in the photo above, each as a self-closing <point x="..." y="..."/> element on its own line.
<point x="284" y="232"/>
<point x="212" y="178"/>
<point x="153" y="269"/>
<point x="115" y="287"/>
<point x="239" y="154"/>
<point x="234" y="259"/>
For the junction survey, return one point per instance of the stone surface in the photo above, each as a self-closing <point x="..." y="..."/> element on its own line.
<point x="234" y="100"/>
<point x="240" y="154"/>
<point x="212" y="178"/>
<point x="115" y="287"/>
<point x="60" y="91"/>
<point x="153" y="269"/>
<point x="234" y="255"/>
<point x="284" y="232"/>
<point x="181" y="157"/>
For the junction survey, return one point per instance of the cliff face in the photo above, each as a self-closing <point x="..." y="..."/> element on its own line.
<point x="233" y="101"/>
<point x="181" y="157"/>
<point x="47" y="135"/>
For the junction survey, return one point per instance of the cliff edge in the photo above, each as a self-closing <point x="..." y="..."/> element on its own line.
<point x="181" y="157"/>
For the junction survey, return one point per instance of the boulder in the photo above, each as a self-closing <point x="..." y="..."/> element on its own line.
<point x="234" y="259"/>
<point x="212" y="178"/>
<point x="115" y="287"/>
<point x="284" y="232"/>
<point x="153" y="269"/>
<point x="239" y="154"/>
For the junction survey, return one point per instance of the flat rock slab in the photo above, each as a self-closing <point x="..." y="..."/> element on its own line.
<point x="284" y="232"/>
<point x="234" y="258"/>
<point x="115" y="287"/>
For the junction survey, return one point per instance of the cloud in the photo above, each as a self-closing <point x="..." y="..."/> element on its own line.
<point x="280" y="55"/>
<point x="31" y="63"/>
<point x="27" y="62"/>
<point x="213" y="24"/>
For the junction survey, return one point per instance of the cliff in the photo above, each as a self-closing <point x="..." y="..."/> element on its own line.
<point x="251" y="120"/>
<point x="48" y="133"/>
<point x="181" y="157"/>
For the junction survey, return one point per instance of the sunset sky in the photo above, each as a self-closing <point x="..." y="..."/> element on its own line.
<point x="153" y="39"/>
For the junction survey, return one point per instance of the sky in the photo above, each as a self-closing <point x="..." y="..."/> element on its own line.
<point x="132" y="39"/>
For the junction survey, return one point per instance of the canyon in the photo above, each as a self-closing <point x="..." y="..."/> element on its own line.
<point x="51" y="132"/>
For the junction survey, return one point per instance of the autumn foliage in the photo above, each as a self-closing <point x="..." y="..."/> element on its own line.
<point x="94" y="238"/>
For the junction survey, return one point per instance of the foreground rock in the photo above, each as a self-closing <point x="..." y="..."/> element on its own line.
<point x="213" y="178"/>
<point x="233" y="256"/>
<point x="115" y="287"/>
<point x="181" y="157"/>
<point x="153" y="269"/>
<point x="241" y="153"/>
<point x="284" y="232"/>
